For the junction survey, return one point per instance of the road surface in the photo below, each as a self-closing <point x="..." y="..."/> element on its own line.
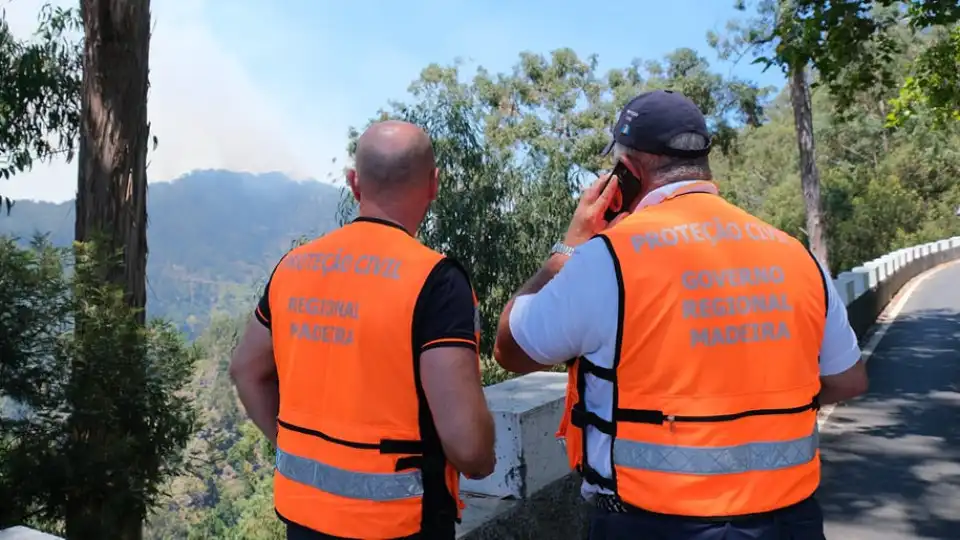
<point x="891" y="459"/>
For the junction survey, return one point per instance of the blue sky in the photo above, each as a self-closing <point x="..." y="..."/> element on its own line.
<point x="260" y="85"/>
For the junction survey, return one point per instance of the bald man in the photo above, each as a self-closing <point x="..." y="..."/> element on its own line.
<point x="360" y="363"/>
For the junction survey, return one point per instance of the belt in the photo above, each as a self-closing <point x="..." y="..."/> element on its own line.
<point x="614" y="505"/>
<point x="610" y="503"/>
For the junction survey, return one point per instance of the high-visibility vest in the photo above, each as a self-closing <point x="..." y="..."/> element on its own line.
<point x="716" y="373"/>
<point x="358" y="455"/>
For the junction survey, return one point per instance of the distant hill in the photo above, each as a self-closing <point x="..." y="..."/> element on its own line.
<point x="214" y="236"/>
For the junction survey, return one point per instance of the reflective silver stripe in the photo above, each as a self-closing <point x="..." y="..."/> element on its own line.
<point x="759" y="456"/>
<point x="355" y="485"/>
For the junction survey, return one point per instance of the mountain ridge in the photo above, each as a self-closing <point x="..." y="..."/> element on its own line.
<point x="213" y="235"/>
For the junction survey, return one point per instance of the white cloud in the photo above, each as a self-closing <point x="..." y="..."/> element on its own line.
<point x="205" y="107"/>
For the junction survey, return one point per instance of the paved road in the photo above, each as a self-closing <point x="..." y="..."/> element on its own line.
<point x="892" y="458"/>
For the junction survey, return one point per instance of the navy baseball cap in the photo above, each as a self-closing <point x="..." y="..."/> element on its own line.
<point x="652" y="119"/>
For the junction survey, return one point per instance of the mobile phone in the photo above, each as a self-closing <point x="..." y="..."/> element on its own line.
<point x="629" y="190"/>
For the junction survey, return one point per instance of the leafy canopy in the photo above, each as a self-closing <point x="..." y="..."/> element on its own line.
<point x="54" y="378"/>
<point x="855" y="46"/>
<point x="39" y="92"/>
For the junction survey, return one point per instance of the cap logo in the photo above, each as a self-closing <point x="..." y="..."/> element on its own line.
<point x="625" y="130"/>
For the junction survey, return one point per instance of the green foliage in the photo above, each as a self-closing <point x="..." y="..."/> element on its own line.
<point x="227" y="490"/>
<point x="249" y="514"/>
<point x="855" y="46"/>
<point x="129" y="417"/>
<point x="882" y="190"/>
<point x="39" y="93"/>
<point x="113" y="435"/>
<point x="513" y="150"/>
<point x="33" y="318"/>
<point x="934" y="84"/>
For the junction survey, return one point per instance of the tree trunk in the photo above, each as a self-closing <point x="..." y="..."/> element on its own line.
<point x="809" y="175"/>
<point x="111" y="209"/>
<point x="112" y="183"/>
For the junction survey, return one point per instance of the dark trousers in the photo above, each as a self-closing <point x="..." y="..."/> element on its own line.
<point x="803" y="521"/>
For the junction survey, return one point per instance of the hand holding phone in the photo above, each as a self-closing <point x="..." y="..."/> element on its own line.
<point x="588" y="219"/>
<point x="627" y="192"/>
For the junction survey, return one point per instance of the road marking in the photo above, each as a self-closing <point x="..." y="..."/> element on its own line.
<point x="886" y="319"/>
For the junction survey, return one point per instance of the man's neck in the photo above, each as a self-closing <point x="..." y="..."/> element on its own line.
<point x="663" y="191"/>
<point x="373" y="210"/>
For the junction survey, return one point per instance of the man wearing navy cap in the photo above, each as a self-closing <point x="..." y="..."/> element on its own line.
<point x="700" y="342"/>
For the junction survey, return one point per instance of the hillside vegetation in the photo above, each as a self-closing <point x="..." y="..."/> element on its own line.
<point x="213" y="235"/>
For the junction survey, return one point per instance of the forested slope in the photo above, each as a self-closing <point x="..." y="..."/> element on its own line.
<point x="213" y="236"/>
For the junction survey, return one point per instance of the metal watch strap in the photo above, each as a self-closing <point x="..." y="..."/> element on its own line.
<point x="562" y="249"/>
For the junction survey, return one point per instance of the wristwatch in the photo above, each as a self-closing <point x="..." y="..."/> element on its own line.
<point x="562" y="249"/>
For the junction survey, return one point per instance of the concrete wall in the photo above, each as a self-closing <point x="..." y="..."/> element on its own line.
<point x="532" y="494"/>
<point x="528" y="498"/>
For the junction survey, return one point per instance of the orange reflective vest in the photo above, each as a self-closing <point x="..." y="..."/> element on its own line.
<point x="357" y="453"/>
<point x="716" y="373"/>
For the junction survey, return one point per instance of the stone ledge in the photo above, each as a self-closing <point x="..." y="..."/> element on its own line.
<point x="526" y="411"/>
<point x="555" y="512"/>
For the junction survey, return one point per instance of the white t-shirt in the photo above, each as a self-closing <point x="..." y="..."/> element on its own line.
<point x="576" y="314"/>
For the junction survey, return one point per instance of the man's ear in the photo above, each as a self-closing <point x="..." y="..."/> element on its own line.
<point x="352" y="182"/>
<point x="434" y="184"/>
<point x="633" y="167"/>
<point x="636" y="169"/>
